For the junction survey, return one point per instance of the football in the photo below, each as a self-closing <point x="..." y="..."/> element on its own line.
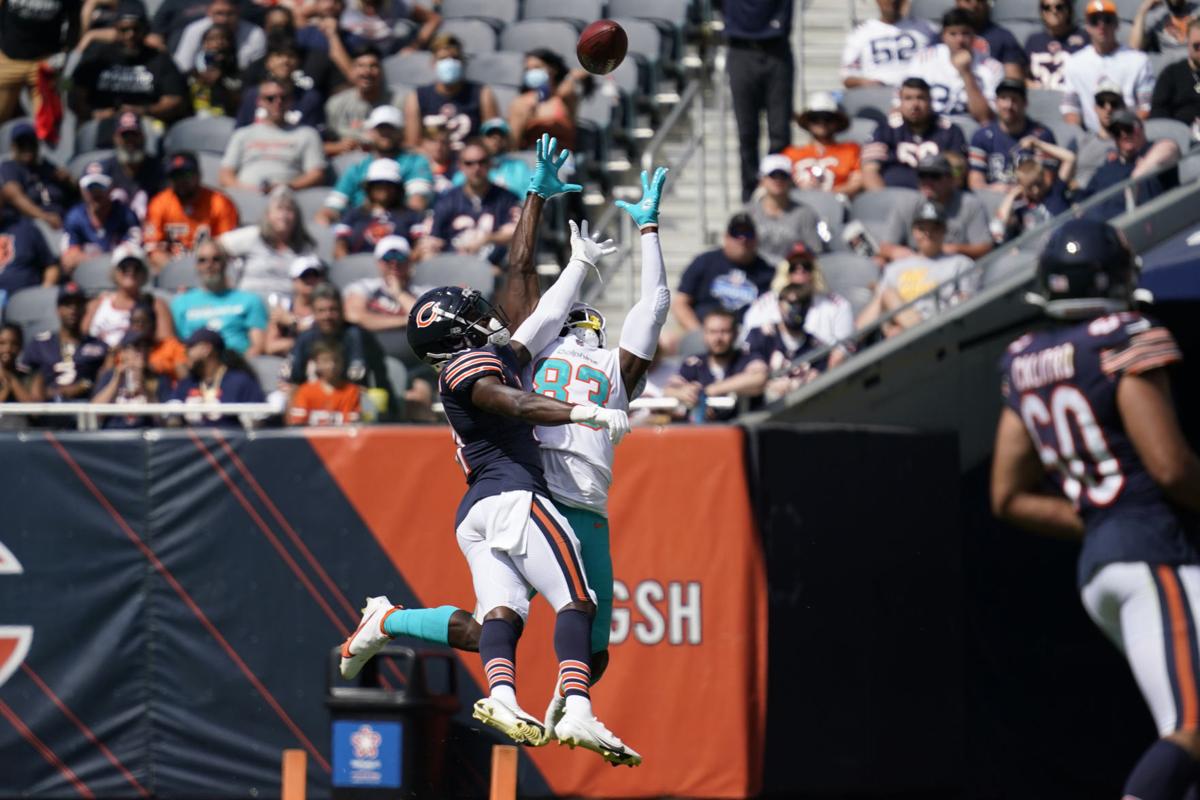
<point x="601" y="47"/>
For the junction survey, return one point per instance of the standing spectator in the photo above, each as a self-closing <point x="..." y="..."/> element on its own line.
<point x="27" y="260"/>
<point x="316" y="71"/>
<point x="916" y="276"/>
<point x="730" y="277"/>
<point x="129" y="74"/>
<point x="548" y="101"/>
<point x="213" y="83"/>
<point x="462" y="103"/>
<point x="878" y="47"/>
<point x="965" y="77"/>
<point x="130" y="380"/>
<point x="962" y="216"/>
<point x="1106" y="61"/>
<point x="824" y="163"/>
<point x="384" y="132"/>
<point x="994" y="147"/>
<point x="761" y="74"/>
<point x="328" y="398"/>
<point x="1162" y="27"/>
<point x="249" y="39"/>
<point x="14" y="377"/>
<point x="890" y="156"/>
<point x="477" y="218"/>
<point x="292" y="314"/>
<point x="263" y="253"/>
<point x="29" y="33"/>
<point x="383" y="303"/>
<point x="1093" y="147"/>
<point x="65" y="362"/>
<point x="1039" y="196"/>
<point x="304" y="105"/>
<point x="185" y="214"/>
<point x="383" y="214"/>
<point x="1175" y="95"/>
<point x="508" y="171"/>
<point x="215" y="375"/>
<point x="325" y="33"/>
<point x="240" y="317"/>
<point x="31" y="185"/>
<point x="1134" y="157"/>
<point x="375" y="21"/>
<point x="364" y="357"/>
<point x="136" y="178"/>
<point x="779" y="221"/>
<point x="781" y="344"/>
<point x="999" y="42"/>
<point x="724" y="369"/>
<point x="98" y="224"/>
<point x="348" y="110"/>
<point x="1049" y="48"/>
<point x="108" y="315"/>
<point x="273" y="152"/>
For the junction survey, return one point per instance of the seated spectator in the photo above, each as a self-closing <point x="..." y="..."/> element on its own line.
<point x="477" y="218"/>
<point x="131" y="380"/>
<point x="292" y="314"/>
<point x="1175" y="95"/>
<point x="918" y="275"/>
<point x="964" y="219"/>
<point x="965" y="76"/>
<point x="1160" y="27"/>
<point x="129" y="74"/>
<point x="548" y="101"/>
<point x="436" y="149"/>
<point x="98" y="224"/>
<point x="347" y="111"/>
<point x="108" y="314"/>
<point x="383" y="303"/>
<point x="14" y="377"/>
<point x="462" y="103"/>
<point x="1039" y="196"/>
<point x="273" y="152"/>
<point x="240" y="317"/>
<point x="375" y="21"/>
<point x="30" y="261"/>
<point x="994" y="147"/>
<point x="824" y="163"/>
<point x="305" y="106"/>
<point x="136" y="178"/>
<point x="215" y="375"/>
<point x="779" y="221"/>
<point x="1092" y="147"/>
<point x="889" y="157"/>
<point x="1049" y="48"/>
<point x="997" y="41"/>
<point x="724" y="369"/>
<point x="508" y="171"/>
<point x="185" y="214"/>
<point x="324" y="32"/>
<point x="167" y="356"/>
<point x="384" y="213"/>
<point x="29" y="34"/>
<point x="262" y="254"/>
<point x="782" y="344"/>
<point x="213" y="83"/>
<point x="878" y="47"/>
<point x="64" y="363"/>
<point x="316" y="70"/>
<point x="730" y="277"/>
<point x="1133" y="158"/>
<point x="329" y="398"/>
<point x="32" y="186"/>
<point x="384" y="131"/>
<point x="1104" y="61"/>
<point x="249" y="39"/>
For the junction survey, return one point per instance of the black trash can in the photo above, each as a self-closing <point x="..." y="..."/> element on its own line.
<point x="389" y="728"/>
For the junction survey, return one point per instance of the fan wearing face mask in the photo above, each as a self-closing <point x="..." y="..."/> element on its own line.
<point x="462" y="103"/>
<point x="548" y="101"/>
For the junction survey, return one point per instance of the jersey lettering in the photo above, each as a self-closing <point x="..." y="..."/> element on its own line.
<point x="570" y="383"/>
<point x="887" y="49"/>
<point x="911" y="153"/>
<point x="1093" y="468"/>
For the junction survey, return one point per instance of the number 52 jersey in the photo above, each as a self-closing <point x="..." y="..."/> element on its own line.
<point x="1062" y="382"/>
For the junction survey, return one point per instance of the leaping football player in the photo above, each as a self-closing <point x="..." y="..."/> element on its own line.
<point x="1088" y="401"/>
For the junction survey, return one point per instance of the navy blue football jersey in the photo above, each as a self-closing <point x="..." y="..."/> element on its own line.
<point x="498" y="453"/>
<point x="897" y="149"/>
<point x="994" y="151"/>
<point x="1063" y="384"/>
<point x="459" y="214"/>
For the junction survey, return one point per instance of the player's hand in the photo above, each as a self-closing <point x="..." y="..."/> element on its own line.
<point x="545" y="182"/>
<point x="614" y="420"/>
<point x="586" y="248"/>
<point x="645" y="213"/>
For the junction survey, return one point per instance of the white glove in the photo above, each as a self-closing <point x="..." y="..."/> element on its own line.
<point x="586" y="248"/>
<point x="614" y="419"/>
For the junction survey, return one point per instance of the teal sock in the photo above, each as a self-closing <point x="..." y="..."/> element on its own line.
<point x="428" y="624"/>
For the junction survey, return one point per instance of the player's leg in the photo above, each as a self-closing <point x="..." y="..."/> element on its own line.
<point x="446" y="625"/>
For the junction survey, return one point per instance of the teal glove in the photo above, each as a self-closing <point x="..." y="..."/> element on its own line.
<point x="646" y="211"/>
<point x="545" y="182"/>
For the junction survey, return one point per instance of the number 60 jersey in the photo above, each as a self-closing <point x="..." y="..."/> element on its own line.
<point x="1063" y="384"/>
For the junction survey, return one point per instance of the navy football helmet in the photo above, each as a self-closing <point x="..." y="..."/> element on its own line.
<point x="1086" y="269"/>
<point x="450" y="319"/>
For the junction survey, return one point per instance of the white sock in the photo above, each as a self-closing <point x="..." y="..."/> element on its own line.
<point x="506" y="695"/>
<point x="579" y="706"/>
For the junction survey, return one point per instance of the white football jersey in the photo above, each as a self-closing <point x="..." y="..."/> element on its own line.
<point x="876" y="47"/>
<point x="947" y="93"/>
<point x="1087" y="69"/>
<point x="577" y="457"/>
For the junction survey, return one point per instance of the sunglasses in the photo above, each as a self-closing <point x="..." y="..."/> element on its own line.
<point x="473" y="163"/>
<point x="395" y="258"/>
<point x="1110" y="102"/>
<point x="210" y="260"/>
<point x="742" y="233"/>
<point x="779" y="175"/>
<point x="270" y="98"/>
<point x="1102" y="19"/>
<point x="130" y="266"/>
<point x="1054" y="8"/>
<point x="804" y="265"/>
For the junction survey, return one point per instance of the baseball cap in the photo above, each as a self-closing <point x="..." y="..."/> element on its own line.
<point x="129" y="251"/>
<point x="130" y="10"/>
<point x="823" y="103"/>
<point x="493" y="125"/>
<point x="384" y="170"/>
<point x="23" y="130"/>
<point x="1012" y="85"/>
<point x="70" y="293"/>
<point x="93" y="175"/>
<point x="305" y="264"/>
<point x="799" y="254"/>
<point x="385" y="115"/>
<point x="774" y="163"/>
<point x="182" y="162"/>
<point x="128" y="122"/>
<point x="936" y="164"/>
<point x="1124" y="118"/>
<point x="390" y="245"/>
<point x="1100" y="7"/>
<point x="929" y="211"/>
<point x="206" y="336"/>
<point x="741" y="226"/>
<point x="1107" y="86"/>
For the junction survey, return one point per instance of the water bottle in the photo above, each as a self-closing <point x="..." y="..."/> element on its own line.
<point x="859" y="239"/>
<point x="700" y="410"/>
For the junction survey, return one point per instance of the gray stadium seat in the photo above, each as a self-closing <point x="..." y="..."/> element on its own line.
<point x="692" y="344"/>
<point x="1005" y="11"/>
<point x="1189" y="169"/>
<point x="930" y="10"/>
<point x="504" y="97"/>
<point x="579" y="13"/>
<point x="552" y="34"/>
<point x="198" y="134"/>
<point x="1044" y="104"/>
<point x="645" y="40"/>
<point x="452" y="269"/>
<point x="87" y="136"/>
<point x="500" y="67"/>
<point x="861" y="129"/>
<point x="873" y="102"/>
<point x="1064" y="132"/>
<point x="1022" y="29"/>
<point x="872" y="209"/>
<point x="53" y="238"/>
<point x="397" y="376"/>
<point x="669" y="16"/>
<point x="414" y="69"/>
<point x="269" y="370"/>
<point x="476" y="35"/>
<point x="496" y="12"/>
<point x="345" y="161"/>
<point x="210" y="168"/>
<point x="324" y="237"/>
<point x="830" y="208"/>
<point x="79" y="163"/>
<point x="1161" y="128"/>
<point x="250" y="205"/>
<point x="991" y="201"/>
<point x="967" y="124"/>
<point x="310" y="201"/>
<point x="35" y="309"/>
<point x="850" y="275"/>
<point x="178" y="275"/>
<point x="94" y="275"/>
<point x="346" y="271"/>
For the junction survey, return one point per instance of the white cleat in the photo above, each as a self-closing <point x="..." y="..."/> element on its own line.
<point x="368" y="639"/>
<point x="590" y="734"/>
<point x="512" y="722"/>
<point x="554" y="712"/>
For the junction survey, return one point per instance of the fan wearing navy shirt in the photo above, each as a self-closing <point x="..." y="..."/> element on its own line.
<point x="998" y="41"/>
<point x="25" y="258"/>
<point x="781" y="345"/>
<point x="1133" y="153"/>
<point x="1039" y="196"/>
<point x="730" y="278"/>
<point x="890" y="156"/>
<point x="99" y="223"/>
<point x="995" y="146"/>
<point x="1049" y="49"/>
<point x="724" y="369"/>
<point x="215" y="375"/>
<point x="65" y="362"/>
<point x="476" y="218"/>
<point x="32" y="186"/>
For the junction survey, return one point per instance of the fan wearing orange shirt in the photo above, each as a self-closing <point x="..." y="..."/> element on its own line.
<point x="329" y="399"/>
<point x="824" y="164"/>
<point x="186" y="213"/>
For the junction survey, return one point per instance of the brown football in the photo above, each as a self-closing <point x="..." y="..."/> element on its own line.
<point x="602" y="46"/>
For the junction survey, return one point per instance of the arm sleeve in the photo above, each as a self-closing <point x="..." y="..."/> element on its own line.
<point x="544" y="324"/>
<point x="233" y="152"/>
<point x="312" y="156"/>
<point x="977" y="154"/>
<point x="639" y="334"/>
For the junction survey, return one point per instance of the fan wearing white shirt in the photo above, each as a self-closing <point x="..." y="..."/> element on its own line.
<point x="1106" y="61"/>
<point x="877" y="47"/>
<point x="961" y="81"/>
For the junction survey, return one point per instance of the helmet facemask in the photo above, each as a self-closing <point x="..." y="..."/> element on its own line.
<point x="586" y="325"/>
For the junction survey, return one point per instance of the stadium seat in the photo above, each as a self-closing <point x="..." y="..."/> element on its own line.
<point x="346" y="271"/>
<point x="850" y="275"/>
<point x="1064" y="132"/>
<point x="94" y="275"/>
<point x="178" y="275"/>
<point x="251" y="205"/>
<point x="967" y="124"/>
<point x="476" y="35"/>
<point x="873" y="102"/>
<point x="1006" y="11"/>
<point x="549" y="33"/>
<point x="397" y="376"/>
<point x="646" y="44"/>
<point x="830" y="208"/>
<point x="61" y="152"/>
<point x="579" y="13"/>
<point x="79" y="163"/>
<point x="53" y="238"/>
<point x="311" y="201"/>
<point x="1162" y="128"/>
<point x="324" y="237"/>
<point x="1158" y="61"/>
<point x="1022" y="29"/>
<point x="35" y="309"/>
<point x="991" y="201"/>
<point x="861" y="129"/>
<point x="497" y="13"/>
<point x="505" y="68"/>
<point x="210" y="168"/>
<point x="269" y="370"/>
<point x="692" y="344"/>
<point x="1044" y="104"/>
<point x="872" y="209"/>
<point x="87" y="136"/>
<point x="1189" y="169"/>
<point x="345" y="161"/>
<point x="504" y="97"/>
<point x="452" y="269"/>
<point x="414" y="69"/>
<point x="198" y="134"/>
<point x="932" y="10"/>
<point x="669" y="16"/>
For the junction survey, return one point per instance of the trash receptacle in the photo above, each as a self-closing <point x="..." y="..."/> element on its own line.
<point x="389" y="728"/>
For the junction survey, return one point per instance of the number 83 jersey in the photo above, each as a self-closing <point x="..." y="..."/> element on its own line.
<point x="1062" y="382"/>
<point x="577" y="458"/>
